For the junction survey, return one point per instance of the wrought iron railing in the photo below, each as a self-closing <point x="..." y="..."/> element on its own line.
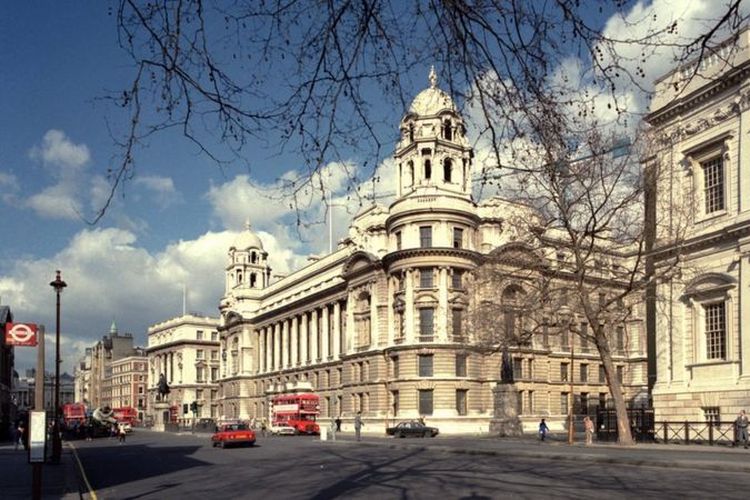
<point x="695" y="432"/>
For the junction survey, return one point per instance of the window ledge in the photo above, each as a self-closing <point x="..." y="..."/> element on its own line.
<point x="709" y="217"/>
<point x="712" y="363"/>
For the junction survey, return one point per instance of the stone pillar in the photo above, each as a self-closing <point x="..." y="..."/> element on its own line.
<point x="295" y="341"/>
<point x="410" y="333"/>
<point x="269" y="348"/>
<point x="261" y="351"/>
<point x="304" y="344"/>
<point x="337" y="329"/>
<point x="325" y="335"/>
<point x="277" y="346"/>
<point x="314" y="333"/>
<point x="285" y="350"/>
<point x="443" y="314"/>
<point x="374" y="322"/>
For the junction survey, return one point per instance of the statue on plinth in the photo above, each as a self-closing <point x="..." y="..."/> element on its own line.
<point x="163" y="387"/>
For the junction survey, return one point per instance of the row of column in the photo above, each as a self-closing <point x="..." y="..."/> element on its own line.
<point x="165" y="364"/>
<point x="307" y="338"/>
<point x="411" y="315"/>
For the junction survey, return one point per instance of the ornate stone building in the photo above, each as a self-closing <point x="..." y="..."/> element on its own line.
<point x="110" y="348"/>
<point x="380" y="325"/>
<point x="128" y="383"/>
<point x="186" y="350"/>
<point x="700" y="320"/>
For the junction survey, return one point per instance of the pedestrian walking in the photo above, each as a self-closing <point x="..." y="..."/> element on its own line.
<point x="121" y="434"/>
<point x="543" y="430"/>
<point x="358" y="426"/>
<point x="19" y="435"/>
<point x="338" y="423"/>
<point x="740" y="425"/>
<point x="263" y="427"/>
<point x="588" y="427"/>
<point x="333" y="429"/>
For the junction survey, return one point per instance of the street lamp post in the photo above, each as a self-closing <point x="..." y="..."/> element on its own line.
<point x="58" y="285"/>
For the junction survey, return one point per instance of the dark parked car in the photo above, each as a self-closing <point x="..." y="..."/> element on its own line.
<point x="412" y="428"/>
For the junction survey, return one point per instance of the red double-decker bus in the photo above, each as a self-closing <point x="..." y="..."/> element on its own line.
<point x="73" y="414"/>
<point x="298" y="410"/>
<point x="125" y="414"/>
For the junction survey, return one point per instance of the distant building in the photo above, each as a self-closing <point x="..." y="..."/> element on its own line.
<point x="25" y="388"/>
<point x="129" y="382"/>
<point x="186" y="351"/>
<point x="82" y="374"/>
<point x="699" y="321"/>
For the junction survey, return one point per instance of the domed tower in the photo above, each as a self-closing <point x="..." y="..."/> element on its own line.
<point x="247" y="267"/>
<point x="433" y="153"/>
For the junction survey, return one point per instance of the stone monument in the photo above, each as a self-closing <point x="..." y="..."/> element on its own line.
<point x="505" y="422"/>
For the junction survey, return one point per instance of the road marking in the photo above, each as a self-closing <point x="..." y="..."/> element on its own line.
<point x="92" y="493"/>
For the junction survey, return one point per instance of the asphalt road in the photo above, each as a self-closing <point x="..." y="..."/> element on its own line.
<point x="162" y="465"/>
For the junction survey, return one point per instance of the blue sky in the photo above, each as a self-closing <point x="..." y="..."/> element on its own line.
<point x="171" y="224"/>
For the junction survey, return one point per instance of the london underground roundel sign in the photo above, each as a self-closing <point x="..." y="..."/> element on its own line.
<point x="20" y="334"/>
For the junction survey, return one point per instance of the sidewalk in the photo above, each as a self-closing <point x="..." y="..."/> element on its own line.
<point x="58" y="481"/>
<point x="702" y="457"/>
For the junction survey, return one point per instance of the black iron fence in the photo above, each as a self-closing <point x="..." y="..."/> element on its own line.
<point x="645" y="429"/>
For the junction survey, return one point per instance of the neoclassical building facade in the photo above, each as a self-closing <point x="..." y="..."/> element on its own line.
<point x="185" y="350"/>
<point x="700" y="319"/>
<point x="380" y="325"/>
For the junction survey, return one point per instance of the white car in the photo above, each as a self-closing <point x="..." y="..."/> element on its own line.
<point x="126" y="426"/>
<point x="282" y="430"/>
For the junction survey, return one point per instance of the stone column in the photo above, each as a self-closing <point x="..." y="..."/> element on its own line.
<point x="285" y="350"/>
<point x="304" y="344"/>
<point x="261" y="351"/>
<point x="409" y="323"/>
<point x="443" y="314"/>
<point x="351" y="328"/>
<point x="374" y="322"/>
<point x="336" y="329"/>
<point x="314" y="333"/>
<point x="269" y="348"/>
<point x="277" y="346"/>
<point x="295" y="341"/>
<point x="325" y="335"/>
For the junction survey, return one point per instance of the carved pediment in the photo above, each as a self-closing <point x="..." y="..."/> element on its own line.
<point x="360" y="262"/>
<point x="517" y="253"/>
<point x="709" y="283"/>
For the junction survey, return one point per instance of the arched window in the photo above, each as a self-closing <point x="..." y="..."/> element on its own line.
<point x="512" y="306"/>
<point x="447" y="170"/>
<point x="427" y="169"/>
<point x="253" y="280"/>
<point x="253" y="257"/>
<point x="239" y="277"/>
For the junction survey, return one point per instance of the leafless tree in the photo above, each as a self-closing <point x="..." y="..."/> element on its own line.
<point x="311" y="77"/>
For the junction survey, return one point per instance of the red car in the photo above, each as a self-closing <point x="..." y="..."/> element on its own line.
<point x="233" y="435"/>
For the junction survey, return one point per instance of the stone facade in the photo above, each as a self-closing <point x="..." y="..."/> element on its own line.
<point x="700" y="320"/>
<point x="380" y="325"/>
<point x="186" y="350"/>
<point x="110" y="348"/>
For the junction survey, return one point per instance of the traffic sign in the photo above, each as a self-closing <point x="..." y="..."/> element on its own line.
<point x="20" y="334"/>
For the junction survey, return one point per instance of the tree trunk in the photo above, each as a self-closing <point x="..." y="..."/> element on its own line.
<point x="624" y="436"/>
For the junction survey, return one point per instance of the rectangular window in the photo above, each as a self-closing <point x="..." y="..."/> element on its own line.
<point x="425" y="236"/>
<point x="199" y="354"/>
<point x="530" y="403"/>
<point x="602" y="400"/>
<point x="199" y="394"/>
<point x="620" y="338"/>
<point x="584" y="372"/>
<point x="398" y="240"/>
<point x="426" y="275"/>
<point x="620" y="374"/>
<point x="585" y="403"/>
<point x="458" y="237"/>
<point x="564" y="368"/>
<point x="457" y="279"/>
<point x="425" y="365"/>
<point x="425" y="402"/>
<point x="214" y="355"/>
<point x="199" y="335"/>
<point x="395" y="402"/>
<point x="713" y="184"/>
<point x="584" y="337"/>
<point x="457" y="320"/>
<point x="460" y="365"/>
<point x="214" y="374"/>
<point x="519" y="402"/>
<point x="545" y="332"/>
<point x="461" y="401"/>
<point x="564" y="403"/>
<point x="517" y="368"/>
<point x="215" y="336"/>
<point x="426" y="323"/>
<point x="199" y="374"/>
<point x="716" y="331"/>
<point x="602" y="375"/>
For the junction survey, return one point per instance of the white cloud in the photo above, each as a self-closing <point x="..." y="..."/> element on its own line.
<point x="57" y="149"/>
<point x="9" y="187"/>
<point x="59" y="201"/>
<point x="162" y="189"/>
